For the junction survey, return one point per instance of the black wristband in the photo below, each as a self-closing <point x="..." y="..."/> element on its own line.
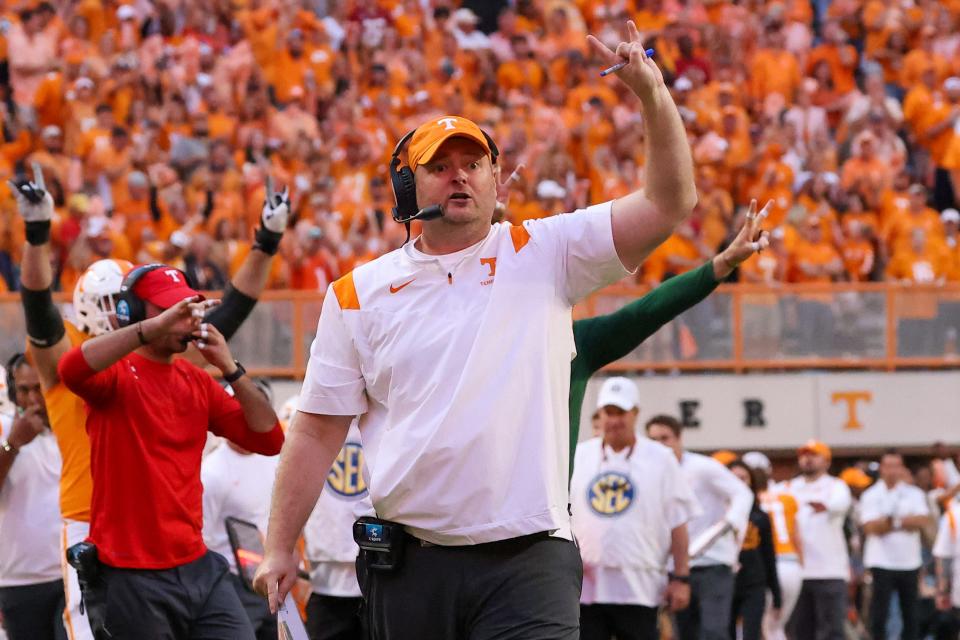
<point x="236" y="375"/>
<point x="44" y="324"/>
<point x="675" y="578"/>
<point x="38" y="232"/>
<point x="231" y="312"/>
<point x="267" y="241"/>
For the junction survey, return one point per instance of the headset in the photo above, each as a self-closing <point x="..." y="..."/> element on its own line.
<point x="131" y="308"/>
<point x="405" y="187"/>
<point x="13" y="363"/>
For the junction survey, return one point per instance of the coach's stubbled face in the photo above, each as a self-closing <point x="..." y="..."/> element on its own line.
<point x="460" y="178"/>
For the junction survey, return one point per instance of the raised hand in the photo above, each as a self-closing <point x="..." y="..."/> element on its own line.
<point x="35" y="205"/>
<point x="750" y="240"/>
<point x="641" y="74"/>
<point x="273" y="218"/>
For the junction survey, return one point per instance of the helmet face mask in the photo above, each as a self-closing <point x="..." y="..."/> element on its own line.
<point x="94" y="298"/>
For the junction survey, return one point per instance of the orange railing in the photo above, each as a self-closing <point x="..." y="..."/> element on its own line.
<point x="877" y="326"/>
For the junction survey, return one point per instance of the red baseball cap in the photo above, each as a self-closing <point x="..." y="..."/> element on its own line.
<point x="164" y="287"/>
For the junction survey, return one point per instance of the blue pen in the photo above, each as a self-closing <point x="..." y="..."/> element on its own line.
<point x="621" y="65"/>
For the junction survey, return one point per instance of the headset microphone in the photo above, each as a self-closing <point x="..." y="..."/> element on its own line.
<point x="429" y="213"/>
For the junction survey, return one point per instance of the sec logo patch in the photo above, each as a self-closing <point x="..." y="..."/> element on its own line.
<point x="346" y="474"/>
<point x="610" y="493"/>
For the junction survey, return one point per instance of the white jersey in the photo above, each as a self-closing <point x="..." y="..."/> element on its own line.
<point x="235" y="485"/>
<point x="947" y="547"/>
<point x="460" y="367"/>
<point x="328" y="533"/>
<point x="825" y="554"/>
<point x="30" y="523"/>
<point x="625" y="505"/>
<point x="897" y="550"/>
<point x="723" y="497"/>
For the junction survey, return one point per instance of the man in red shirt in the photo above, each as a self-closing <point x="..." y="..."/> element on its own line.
<point x="147" y="416"/>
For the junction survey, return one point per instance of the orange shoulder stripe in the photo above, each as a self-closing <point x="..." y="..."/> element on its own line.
<point x="520" y="237"/>
<point x="346" y="292"/>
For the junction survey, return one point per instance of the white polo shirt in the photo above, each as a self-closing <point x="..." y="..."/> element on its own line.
<point x="235" y="485"/>
<point x="825" y="555"/>
<point x="947" y="547"/>
<point x="328" y="533"/>
<point x="625" y="505"/>
<point x="30" y="523"/>
<point x="460" y="367"/>
<point x="723" y="496"/>
<point x="897" y="550"/>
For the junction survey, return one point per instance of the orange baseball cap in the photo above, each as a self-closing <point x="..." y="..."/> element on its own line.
<point x="855" y="478"/>
<point x="815" y="447"/>
<point x="430" y="135"/>
<point x="724" y="456"/>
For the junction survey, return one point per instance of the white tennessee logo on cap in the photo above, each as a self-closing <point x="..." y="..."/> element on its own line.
<point x="448" y="123"/>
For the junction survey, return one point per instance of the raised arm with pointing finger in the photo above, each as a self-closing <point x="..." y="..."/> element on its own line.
<point x="645" y="218"/>
<point x="602" y="340"/>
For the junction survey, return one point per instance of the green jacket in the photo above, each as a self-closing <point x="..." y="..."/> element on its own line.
<point x="605" y="339"/>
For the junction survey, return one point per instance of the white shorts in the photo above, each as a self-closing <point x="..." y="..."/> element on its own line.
<point x="790" y="575"/>
<point x="76" y="624"/>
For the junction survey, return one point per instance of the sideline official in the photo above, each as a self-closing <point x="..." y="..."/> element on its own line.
<point x="455" y="351"/>
<point x="631" y="504"/>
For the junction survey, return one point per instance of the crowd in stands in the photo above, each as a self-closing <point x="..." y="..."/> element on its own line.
<point x="156" y="122"/>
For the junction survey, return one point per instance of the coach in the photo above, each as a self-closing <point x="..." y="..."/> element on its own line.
<point x="455" y="350"/>
<point x="148" y="415"/>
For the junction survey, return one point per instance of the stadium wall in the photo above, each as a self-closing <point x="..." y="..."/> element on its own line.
<point x="851" y="412"/>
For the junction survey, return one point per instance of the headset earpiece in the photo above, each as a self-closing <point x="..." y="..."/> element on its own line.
<point x="130" y="307"/>
<point x="404" y="184"/>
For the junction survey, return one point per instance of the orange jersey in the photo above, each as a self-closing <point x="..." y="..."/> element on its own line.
<point x="782" y="509"/>
<point x="68" y="420"/>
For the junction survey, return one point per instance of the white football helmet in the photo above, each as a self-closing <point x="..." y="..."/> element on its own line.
<point x="93" y="297"/>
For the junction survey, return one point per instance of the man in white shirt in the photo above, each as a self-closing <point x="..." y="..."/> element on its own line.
<point x="333" y="611"/>
<point x="892" y="514"/>
<point x="946" y="549"/>
<point x="631" y="504"/>
<point x="237" y="484"/>
<point x="31" y="574"/>
<point x="725" y="500"/>
<point x="455" y="351"/>
<point x="824" y="502"/>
